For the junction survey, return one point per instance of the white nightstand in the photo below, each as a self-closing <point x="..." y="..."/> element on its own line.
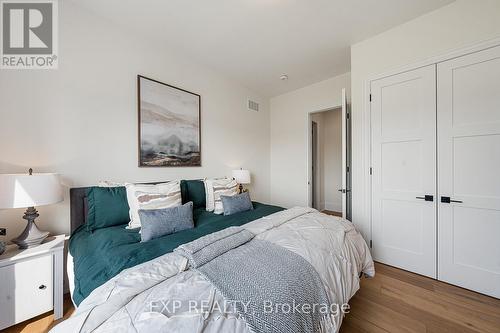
<point x="31" y="281"/>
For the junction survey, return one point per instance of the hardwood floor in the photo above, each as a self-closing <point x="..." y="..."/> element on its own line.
<point x="399" y="301"/>
<point x="331" y="212"/>
<point x="394" y="301"/>
<point x="42" y="323"/>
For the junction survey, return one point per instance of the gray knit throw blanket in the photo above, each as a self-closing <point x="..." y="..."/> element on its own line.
<point x="274" y="289"/>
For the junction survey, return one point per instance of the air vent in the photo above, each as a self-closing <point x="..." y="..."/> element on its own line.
<point x="253" y="106"/>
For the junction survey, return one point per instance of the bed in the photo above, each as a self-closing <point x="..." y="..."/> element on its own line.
<point x="112" y="262"/>
<point x="95" y="257"/>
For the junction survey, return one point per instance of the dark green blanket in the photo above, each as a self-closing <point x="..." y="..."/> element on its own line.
<point x="100" y="255"/>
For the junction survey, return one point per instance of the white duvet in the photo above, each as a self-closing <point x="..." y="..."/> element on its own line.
<point x="162" y="295"/>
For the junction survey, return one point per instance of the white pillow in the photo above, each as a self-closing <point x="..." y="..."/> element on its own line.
<point x="214" y="188"/>
<point x="108" y="183"/>
<point x="164" y="195"/>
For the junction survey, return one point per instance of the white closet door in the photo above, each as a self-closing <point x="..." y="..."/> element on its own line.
<point x="469" y="171"/>
<point x="403" y="116"/>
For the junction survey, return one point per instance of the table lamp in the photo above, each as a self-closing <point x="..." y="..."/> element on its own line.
<point x="27" y="191"/>
<point x="242" y="177"/>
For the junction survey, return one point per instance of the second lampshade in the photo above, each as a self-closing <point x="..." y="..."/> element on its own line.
<point x="242" y="177"/>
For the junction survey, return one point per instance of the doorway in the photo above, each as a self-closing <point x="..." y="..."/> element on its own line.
<point x="329" y="160"/>
<point x="330" y="180"/>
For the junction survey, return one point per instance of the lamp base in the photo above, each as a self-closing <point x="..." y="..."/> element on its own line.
<point x="31" y="236"/>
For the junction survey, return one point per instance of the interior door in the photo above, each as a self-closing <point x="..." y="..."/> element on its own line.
<point x="344" y="188"/>
<point x="403" y="118"/>
<point x="348" y="162"/>
<point x="468" y="171"/>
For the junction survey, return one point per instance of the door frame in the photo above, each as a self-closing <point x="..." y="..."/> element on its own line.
<point x="365" y="213"/>
<point x="314" y="163"/>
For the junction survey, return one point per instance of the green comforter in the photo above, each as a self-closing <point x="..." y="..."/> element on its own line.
<point x="100" y="255"/>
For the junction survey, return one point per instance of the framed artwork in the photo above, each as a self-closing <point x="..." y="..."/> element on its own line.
<point x="169" y="125"/>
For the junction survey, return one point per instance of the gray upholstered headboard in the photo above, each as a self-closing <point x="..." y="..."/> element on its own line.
<point x="78" y="207"/>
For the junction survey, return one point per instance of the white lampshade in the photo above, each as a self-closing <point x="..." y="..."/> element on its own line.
<point x="241" y="176"/>
<point x="23" y="190"/>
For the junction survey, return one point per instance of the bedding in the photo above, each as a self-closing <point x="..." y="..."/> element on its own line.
<point x="214" y="188"/>
<point x="166" y="295"/>
<point x="140" y="196"/>
<point x="238" y="265"/>
<point x="193" y="190"/>
<point x="100" y="255"/>
<point x="108" y="183"/>
<point x="106" y="207"/>
<point x="236" y="203"/>
<point x="205" y="249"/>
<point x="161" y="222"/>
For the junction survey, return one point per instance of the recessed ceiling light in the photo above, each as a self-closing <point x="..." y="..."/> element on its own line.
<point x="284" y="77"/>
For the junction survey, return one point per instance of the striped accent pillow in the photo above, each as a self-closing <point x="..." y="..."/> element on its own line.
<point x="214" y="188"/>
<point x="108" y="183"/>
<point x="159" y="196"/>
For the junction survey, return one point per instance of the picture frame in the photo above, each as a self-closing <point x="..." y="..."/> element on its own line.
<point x="169" y="125"/>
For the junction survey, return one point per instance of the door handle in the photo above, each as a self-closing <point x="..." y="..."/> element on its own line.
<point x="449" y="200"/>
<point x="343" y="190"/>
<point x="427" y="197"/>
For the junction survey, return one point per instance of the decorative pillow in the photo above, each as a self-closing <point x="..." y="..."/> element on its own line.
<point x="193" y="190"/>
<point x="108" y="183"/>
<point x="106" y="207"/>
<point x="164" y="195"/>
<point x="216" y="187"/>
<point x="160" y="222"/>
<point x="236" y="203"/>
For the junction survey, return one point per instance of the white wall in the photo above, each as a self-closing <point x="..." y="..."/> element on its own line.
<point x="81" y="120"/>
<point x="289" y="137"/>
<point x="457" y="25"/>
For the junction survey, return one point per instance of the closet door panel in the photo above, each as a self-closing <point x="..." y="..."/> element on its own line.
<point x="469" y="171"/>
<point x="403" y="116"/>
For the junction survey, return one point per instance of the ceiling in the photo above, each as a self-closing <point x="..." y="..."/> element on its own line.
<point x="256" y="41"/>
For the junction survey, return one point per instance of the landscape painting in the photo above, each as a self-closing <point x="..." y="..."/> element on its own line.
<point x="169" y="125"/>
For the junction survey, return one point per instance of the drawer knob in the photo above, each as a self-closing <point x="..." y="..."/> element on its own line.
<point x="42" y="287"/>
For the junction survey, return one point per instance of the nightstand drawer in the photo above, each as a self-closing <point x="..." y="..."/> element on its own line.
<point x="27" y="289"/>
